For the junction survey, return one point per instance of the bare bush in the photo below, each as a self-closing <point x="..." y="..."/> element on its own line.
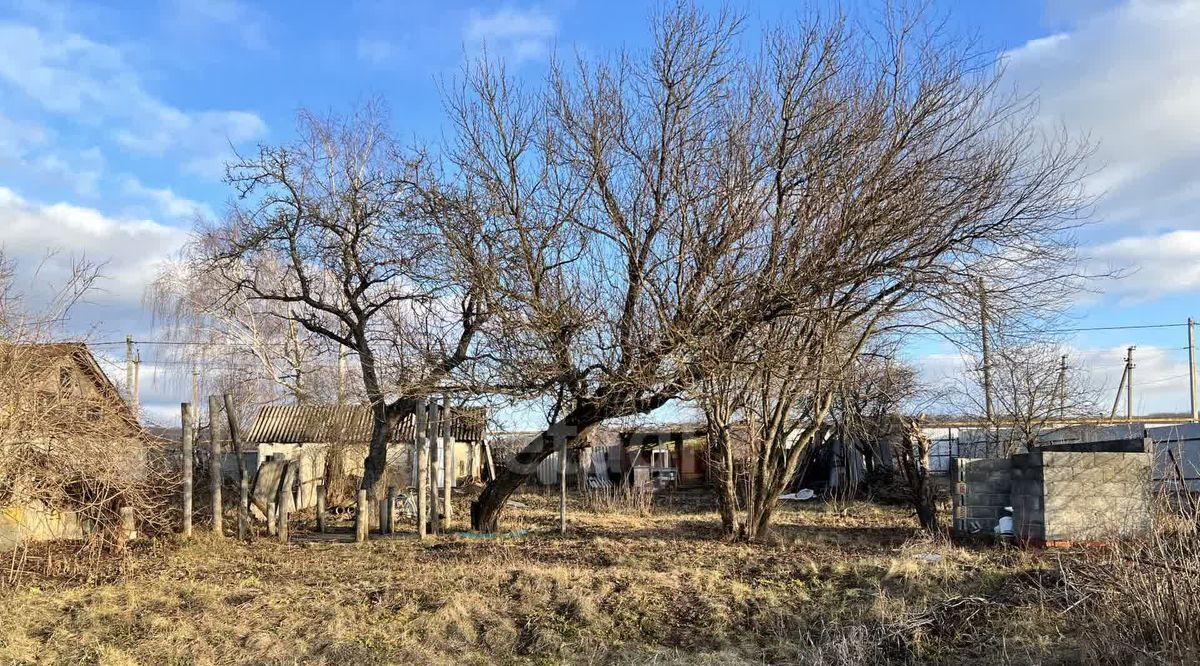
<point x="1148" y="587"/>
<point x="69" y="445"/>
<point x="638" y="500"/>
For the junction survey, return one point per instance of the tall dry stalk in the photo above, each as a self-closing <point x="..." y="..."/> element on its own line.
<point x="1138" y="600"/>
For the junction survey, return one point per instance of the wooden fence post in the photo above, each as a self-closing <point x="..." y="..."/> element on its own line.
<point x="431" y="436"/>
<point x="284" y="501"/>
<point x="391" y="509"/>
<point x="562" y="486"/>
<point x="273" y="504"/>
<point x="421" y="442"/>
<point x="243" y="480"/>
<point x="128" y="524"/>
<point x="381" y="509"/>
<point x="362" y="517"/>
<point x="188" y="444"/>
<point x="447" y="461"/>
<point x="214" y="466"/>
<point x="321" y="508"/>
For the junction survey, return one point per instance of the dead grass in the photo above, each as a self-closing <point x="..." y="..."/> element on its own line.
<point x="851" y="586"/>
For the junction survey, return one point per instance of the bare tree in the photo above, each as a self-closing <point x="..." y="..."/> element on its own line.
<point x="700" y="197"/>
<point x="913" y="461"/>
<point x="877" y="390"/>
<point x="613" y="204"/>
<point x="246" y="346"/>
<point x="1034" y="382"/>
<point x="340" y="233"/>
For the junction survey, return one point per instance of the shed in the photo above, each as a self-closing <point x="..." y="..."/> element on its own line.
<point x="307" y="433"/>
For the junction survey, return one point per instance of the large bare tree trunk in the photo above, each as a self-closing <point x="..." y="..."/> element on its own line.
<point x="486" y="514"/>
<point x="914" y="463"/>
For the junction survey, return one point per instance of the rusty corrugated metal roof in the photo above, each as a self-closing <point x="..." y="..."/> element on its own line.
<point x="297" y="424"/>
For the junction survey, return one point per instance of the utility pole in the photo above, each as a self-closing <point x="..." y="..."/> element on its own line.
<point x="1129" y="366"/>
<point x="129" y="370"/>
<point x="137" y="384"/>
<point x="1120" y="389"/>
<point x="987" y="359"/>
<point x="1062" y="387"/>
<point x="341" y="375"/>
<point x="1192" y="364"/>
<point x="196" y="387"/>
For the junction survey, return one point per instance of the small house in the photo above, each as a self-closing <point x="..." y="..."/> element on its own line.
<point x="307" y="433"/>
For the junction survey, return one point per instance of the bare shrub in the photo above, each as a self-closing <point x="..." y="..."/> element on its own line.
<point x="634" y="499"/>
<point x="68" y="442"/>
<point x="1149" y="588"/>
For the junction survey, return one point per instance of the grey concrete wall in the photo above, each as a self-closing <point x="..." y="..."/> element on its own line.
<point x="1080" y="496"/>
<point x="1095" y="496"/>
<point x="1056" y="495"/>
<point x="982" y="490"/>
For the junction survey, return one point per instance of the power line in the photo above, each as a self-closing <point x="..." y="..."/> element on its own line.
<point x="1108" y="328"/>
<point x="174" y="343"/>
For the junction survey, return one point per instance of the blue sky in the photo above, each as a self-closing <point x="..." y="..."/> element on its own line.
<point x="115" y="119"/>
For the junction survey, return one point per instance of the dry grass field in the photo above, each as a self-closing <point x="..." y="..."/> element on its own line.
<point x="850" y="583"/>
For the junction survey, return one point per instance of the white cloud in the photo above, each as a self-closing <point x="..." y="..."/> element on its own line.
<point x="131" y="249"/>
<point x="1156" y="264"/>
<point x="515" y="34"/>
<point x="93" y="84"/>
<point x="166" y="201"/>
<point x="1129" y="76"/>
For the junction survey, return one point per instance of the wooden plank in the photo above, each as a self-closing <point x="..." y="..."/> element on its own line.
<point x="188" y="454"/>
<point x="321" y="508"/>
<point x="422" y="471"/>
<point x="214" y="466"/>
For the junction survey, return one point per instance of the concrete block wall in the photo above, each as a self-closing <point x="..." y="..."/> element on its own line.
<point x="1027" y="499"/>
<point x="983" y="488"/>
<point x="1056" y="495"/>
<point x="1093" y="496"/>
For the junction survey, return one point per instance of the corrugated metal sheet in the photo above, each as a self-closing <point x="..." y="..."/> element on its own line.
<point x="297" y="424"/>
